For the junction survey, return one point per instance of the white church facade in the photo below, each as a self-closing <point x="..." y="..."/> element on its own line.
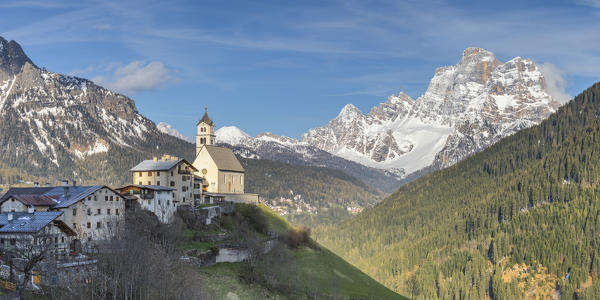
<point x="218" y="167"/>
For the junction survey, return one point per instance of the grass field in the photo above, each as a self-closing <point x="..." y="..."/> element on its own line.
<point x="318" y="272"/>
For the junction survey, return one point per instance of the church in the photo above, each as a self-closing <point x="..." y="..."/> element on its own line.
<point x="219" y="170"/>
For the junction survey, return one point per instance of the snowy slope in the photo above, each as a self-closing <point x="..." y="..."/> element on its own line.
<point x="288" y="150"/>
<point x="466" y="108"/>
<point x="168" y="129"/>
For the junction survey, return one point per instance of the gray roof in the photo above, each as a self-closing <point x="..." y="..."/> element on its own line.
<point x="159" y="165"/>
<point x="76" y="193"/>
<point x="24" y="222"/>
<point x="224" y="158"/>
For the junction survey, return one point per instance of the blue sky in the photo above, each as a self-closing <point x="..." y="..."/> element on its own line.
<point x="287" y="66"/>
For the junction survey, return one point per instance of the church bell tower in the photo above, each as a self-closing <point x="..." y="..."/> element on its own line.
<point x="206" y="132"/>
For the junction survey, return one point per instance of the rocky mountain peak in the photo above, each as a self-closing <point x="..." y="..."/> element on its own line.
<point x="12" y="58"/>
<point x="466" y="108"/>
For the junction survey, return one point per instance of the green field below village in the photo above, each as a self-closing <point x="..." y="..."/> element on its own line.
<point x="307" y="272"/>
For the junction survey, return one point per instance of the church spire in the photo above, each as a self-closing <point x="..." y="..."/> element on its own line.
<point x="206" y="131"/>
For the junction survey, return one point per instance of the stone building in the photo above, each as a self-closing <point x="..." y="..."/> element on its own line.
<point x="169" y="171"/>
<point x="155" y="198"/>
<point x="90" y="211"/>
<point x="20" y="230"/>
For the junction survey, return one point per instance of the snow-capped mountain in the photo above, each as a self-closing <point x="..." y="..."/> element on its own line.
<point x="52" y="123"/>
<point x="168" y="129"/>
<point x="288" y="150"/>
<point x="465" y="109"/>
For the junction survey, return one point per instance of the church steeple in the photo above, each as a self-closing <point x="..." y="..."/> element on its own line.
<point x="206" y="132"/>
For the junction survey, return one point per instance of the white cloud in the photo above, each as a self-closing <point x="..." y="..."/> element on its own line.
<point x="555" y="82"/>
<point x="137" y="76"/>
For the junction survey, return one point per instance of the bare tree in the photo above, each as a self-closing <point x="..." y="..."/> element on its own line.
<point x="26" y="253"/>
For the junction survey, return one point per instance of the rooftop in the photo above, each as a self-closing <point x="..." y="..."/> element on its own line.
<point x="24" y="222"/>
<point x="224" y="158"/>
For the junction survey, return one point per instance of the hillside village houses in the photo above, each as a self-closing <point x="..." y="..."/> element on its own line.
<point x="89" y="211"/>
<point x="78" y="218"/>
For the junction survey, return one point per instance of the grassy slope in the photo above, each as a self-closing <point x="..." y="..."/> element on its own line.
<point x="333" y="276"/>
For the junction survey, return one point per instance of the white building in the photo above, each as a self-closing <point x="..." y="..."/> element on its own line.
<point x="90" y="211"/>
<point x="154" y="198"/>
<point x="218" y="167"/>
<point x="168" y="171"/>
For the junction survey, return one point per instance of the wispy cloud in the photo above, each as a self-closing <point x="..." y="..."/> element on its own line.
<point x="137" y="76"/>
<point x="555" y="82"/>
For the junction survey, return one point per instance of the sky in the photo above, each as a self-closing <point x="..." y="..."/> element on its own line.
<point x="288" y="66"/>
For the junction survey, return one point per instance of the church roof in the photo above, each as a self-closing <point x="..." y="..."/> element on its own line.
<point x="206" y="119"/>
<point x="224" y="158"/>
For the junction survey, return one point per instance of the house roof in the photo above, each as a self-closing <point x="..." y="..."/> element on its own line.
<point x="159" y="165"/>
<point x="24" y="222"/>
<point x="224" y="158"/>
<point x="25" y="191"/>
<point x="43" y="200"/>
<point x="76" y="193"/>
<point x="151" y="187"/>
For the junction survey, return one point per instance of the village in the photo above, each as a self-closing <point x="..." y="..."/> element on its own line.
<point x="48" y="232"/>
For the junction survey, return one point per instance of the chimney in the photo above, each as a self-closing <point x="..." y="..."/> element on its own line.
<point x="31" y="209"/>
<point x="36" y="184"/>
<point x="10" y="216"/>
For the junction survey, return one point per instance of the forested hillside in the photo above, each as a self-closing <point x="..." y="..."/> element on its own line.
<point x="521" y="218"/>
<point x="327" y="190"/>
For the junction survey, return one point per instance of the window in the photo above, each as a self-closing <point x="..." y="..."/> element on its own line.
<point x="140" y="183"/>
<point x="157" y="173"/>
<point x="108" y="211"/>
<point x="117" y="198"/>
<point x="98" y="225"/>
<point x="89" y="225"/>
<point x="149" y="183"/>
<point x="184" y="188"/>
<point x="90" y="198"/>
<point x="183" y="199"/>
<point x="149" y="173"/>
<point x="140" y="174"/>
<point x="158" y="183"/>
<point x="111" y="198"/>
<point x="74" y="226"/>
<point x="89" y="211"/>
<point x="74" y="211"/>
<point x="95" y="198"/>
<point x="171" y="173"/>
<point x="99" y="212"/>
<point x="56" y="240"/>
<point x="158" y="202"/>
<point x="116" y="211"/>
<point x="13" y="242"/>
<point x="62" y="239"/>
<point x="105" y="198"/>
<point x="148" y="202"/>
<point x="172" y="183"/>
<point x="12" y="200"/>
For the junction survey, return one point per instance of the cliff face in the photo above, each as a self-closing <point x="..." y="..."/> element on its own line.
<point x="58" y="124"/>
<point x="466" y="108"/>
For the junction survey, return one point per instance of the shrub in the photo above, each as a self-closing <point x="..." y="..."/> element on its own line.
<point x="298" y="237"/>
